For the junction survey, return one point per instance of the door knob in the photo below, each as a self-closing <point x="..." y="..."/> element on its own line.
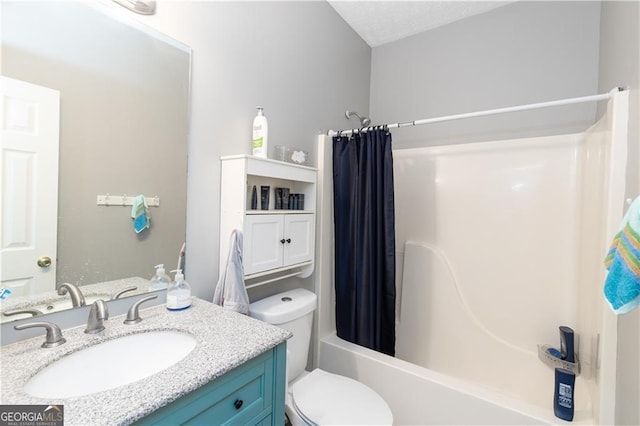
<point x="289" y="240"/>
<point x="44" y="262"/>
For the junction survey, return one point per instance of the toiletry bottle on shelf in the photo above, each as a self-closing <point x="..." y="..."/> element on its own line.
<point x="254" y="198"/>
<point x="160" y="280"/>
<point x="563" y="395"/>
<point x="260" y="134"/>
<point x="178" y="293"/>
<point x="264" y="197"/>
<point x="567" y="344"/>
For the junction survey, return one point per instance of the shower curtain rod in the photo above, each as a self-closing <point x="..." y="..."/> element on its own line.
<point x="560" y="102"/>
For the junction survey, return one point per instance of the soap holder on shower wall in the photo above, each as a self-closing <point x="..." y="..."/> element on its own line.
<point x="555" y="362"/>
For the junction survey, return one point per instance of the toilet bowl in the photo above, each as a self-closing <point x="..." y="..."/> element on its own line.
<point x="323" y="398"/>
<point x="317" y="397"/>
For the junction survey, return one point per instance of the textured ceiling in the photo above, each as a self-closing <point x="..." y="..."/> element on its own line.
<point x="380" y="22"/>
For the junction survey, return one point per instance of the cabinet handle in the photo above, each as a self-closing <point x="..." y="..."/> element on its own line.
<point x="289" y="240"/>
<point x="238" y="403"/>
<point x="282" y="241"/>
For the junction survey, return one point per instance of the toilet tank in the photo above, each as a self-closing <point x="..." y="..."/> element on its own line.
<point x="293" y="311"/>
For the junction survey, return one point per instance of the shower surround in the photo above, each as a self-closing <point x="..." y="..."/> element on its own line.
<point x="499" y="243"/>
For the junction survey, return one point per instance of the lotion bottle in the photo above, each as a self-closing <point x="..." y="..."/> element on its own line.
<point x="260" y="134"/>
<point x="160" y="280"/>
<point x="178" y="293"/>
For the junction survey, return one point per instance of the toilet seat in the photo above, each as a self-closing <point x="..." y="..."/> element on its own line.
<point x="323" y="398"/>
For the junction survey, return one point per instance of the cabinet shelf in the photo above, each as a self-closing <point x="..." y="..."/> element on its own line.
<point x="277" y="243"/>
<point x="266" y="170"/>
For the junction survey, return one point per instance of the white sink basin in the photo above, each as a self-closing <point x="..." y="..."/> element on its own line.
<point x="111" y="364"/>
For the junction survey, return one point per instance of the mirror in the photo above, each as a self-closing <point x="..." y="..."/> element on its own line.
<point x="124" y="117"/>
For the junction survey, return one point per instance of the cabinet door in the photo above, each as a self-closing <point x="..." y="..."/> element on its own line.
<point x="251" y="394"/>
<point x="262" y="246"/>
<point x="299" y="230"/>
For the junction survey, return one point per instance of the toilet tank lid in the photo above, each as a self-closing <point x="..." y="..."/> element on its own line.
<point x="284" y="307"/>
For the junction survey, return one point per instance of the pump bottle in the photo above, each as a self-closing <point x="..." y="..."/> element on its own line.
<point x="260" y="134"/>
<point x="178" y="293"/>
<point x="160" y="280"/>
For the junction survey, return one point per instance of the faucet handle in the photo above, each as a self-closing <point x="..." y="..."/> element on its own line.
<point x="123" y="291"/>
<point x="133" y="316"/>
<point x="32" y="312"/>
<point x="54" y="335"/>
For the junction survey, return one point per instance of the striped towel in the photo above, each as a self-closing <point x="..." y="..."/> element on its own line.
<point x="140" y="214"/>
<point x="622" y="286"/>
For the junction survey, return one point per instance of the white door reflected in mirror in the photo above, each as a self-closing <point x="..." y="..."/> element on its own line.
<point x="29" y="157"/>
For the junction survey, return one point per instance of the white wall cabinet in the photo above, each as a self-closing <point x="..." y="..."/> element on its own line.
<point x="276" y="241"/>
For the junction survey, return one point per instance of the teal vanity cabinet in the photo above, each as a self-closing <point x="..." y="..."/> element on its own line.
<point x="251" y="394"/>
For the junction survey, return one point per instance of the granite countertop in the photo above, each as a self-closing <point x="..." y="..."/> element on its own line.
<point x="225" y="340"/>
<point x="103" y="290"/>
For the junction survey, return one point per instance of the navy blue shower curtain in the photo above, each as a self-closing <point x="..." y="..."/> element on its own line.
<point x="365" y="240"/>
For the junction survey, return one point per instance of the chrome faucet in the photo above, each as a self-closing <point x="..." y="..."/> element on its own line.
<point x="77" y="298"/>
<point x="98" y="313"/>
<point x="54" y="335"/>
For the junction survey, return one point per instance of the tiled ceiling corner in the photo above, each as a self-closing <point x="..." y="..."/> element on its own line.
<point x="380" y="22"/>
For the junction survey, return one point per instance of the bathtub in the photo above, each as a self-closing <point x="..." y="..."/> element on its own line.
<point x="479" y="286"/>
<point x="421" y="396"/>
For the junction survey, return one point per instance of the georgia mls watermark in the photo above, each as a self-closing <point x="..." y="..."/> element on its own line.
<point x="31" y="415"/>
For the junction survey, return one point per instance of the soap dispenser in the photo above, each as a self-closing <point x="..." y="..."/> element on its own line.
<point x="160" y="280"/>
<point x="178" y="293"/>
<point x="260" y="141"/>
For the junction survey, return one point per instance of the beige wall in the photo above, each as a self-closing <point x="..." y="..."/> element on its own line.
<point x="124" y="127"/>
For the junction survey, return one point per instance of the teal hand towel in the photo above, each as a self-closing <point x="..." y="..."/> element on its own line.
<point x="140" y="214"/>
<point x="622" y="286"/>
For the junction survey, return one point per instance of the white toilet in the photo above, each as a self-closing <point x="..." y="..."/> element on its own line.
<point x="317" y="397"/>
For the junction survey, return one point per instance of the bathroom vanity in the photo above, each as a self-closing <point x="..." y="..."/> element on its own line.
<point x="235" y="373"/>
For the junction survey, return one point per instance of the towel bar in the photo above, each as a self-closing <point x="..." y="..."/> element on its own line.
<point x="124" y="200"/>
